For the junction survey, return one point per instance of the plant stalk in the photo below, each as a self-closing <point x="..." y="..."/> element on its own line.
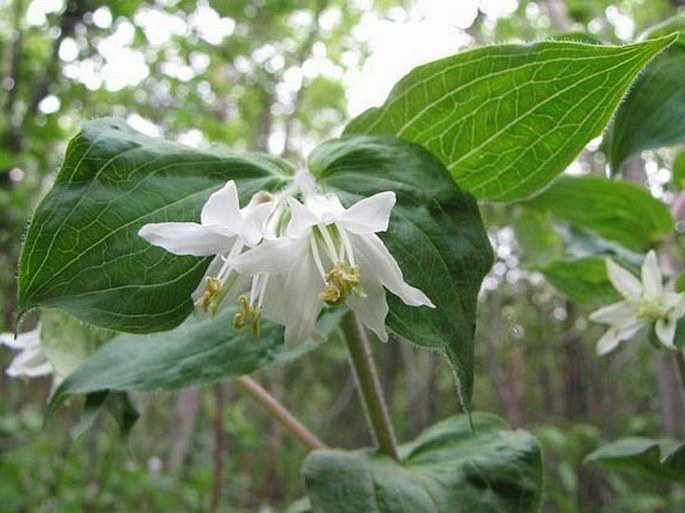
<point x="369" y="386"/>
<point x="275" y="408"/>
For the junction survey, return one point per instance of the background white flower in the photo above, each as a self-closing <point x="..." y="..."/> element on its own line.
<point x="31" y="361"/>
<point x="645" y="302"/>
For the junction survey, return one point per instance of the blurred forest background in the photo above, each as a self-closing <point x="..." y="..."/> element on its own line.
<point x="274" y="75"/>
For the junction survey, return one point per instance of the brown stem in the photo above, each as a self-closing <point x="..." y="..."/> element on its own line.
<point x="293" y="425"/>
<point x="369" y="386"/>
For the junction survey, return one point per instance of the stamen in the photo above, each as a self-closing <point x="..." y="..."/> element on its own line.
<point x="247" y="312"/>
<point x="653" y="310"/>
<point x="317" y="257"/>
<point x="226" y="268"/>
<point x="341" y="281"/>
<point x="262" y="290"/>
<point x="348" y="246"/>
<point x="212" y="288"/>
<point x="330" y="246"/>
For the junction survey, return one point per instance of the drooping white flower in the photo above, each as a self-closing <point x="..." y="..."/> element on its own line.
<point x="31" y="361"/>
<point x="329" y="255"/>
<point x="645" y="302"/>
<point x="225" y="230"/>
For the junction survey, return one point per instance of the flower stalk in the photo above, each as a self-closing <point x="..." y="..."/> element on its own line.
<point x="369" y="386"/>
<point x="259" y="394"/>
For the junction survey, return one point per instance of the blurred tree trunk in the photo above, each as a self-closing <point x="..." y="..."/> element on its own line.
<point x="671" y="398"/>
<point x="185" y="416"/>
<point x="576" y="371"/>
<point x="220" y="397"/>
<point x="516" y="385"/>
<point x="580" y="397"/>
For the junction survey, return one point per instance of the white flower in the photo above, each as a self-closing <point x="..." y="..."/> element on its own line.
<point x="329" y="255"/>
<point x="644" y="302"/>
<point x="31" y="362"/>
<point x="224" y="230"/>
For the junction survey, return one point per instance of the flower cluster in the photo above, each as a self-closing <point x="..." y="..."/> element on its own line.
<point x="286" y="259"/>
<point x="645" y="302"/>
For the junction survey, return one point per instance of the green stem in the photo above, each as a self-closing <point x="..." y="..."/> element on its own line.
<point x="279" y="411"/>
<point x="369" y="386"/>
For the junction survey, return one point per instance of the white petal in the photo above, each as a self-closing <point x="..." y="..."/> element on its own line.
<point x="376" y="263"/>
<point x="665" y="331"/>
<point x="30" y="362"/>
<point x="613" y="337"/>
<point x="223" y="209"/>
<point x="327" y="208"/>
<point x="302" y="303"/>
<point x="623" y="280"/>
<point x="252" y="229"/>
<point x="271" y="256"/>
<point x="372" y="309"/>
<point x="617" y="313"/>
<point x="651" y="275"/>
<point x="23" y="340"/>
<point x="275" y="299"/>
<point x="302" y="219"/>
<point x="369" y="215"/>
<point x="186" y="238"/>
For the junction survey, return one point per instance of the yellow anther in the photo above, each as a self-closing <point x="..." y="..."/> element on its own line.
<point x="341" y="281"/>
<point x="247" y="311"/>
<point x="212" y="288"/>
<point x="331" y="295"/>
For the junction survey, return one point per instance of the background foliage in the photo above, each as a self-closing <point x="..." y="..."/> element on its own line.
<point x="251" y="87"/>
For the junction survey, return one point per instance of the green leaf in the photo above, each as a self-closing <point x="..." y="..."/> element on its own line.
<point x="435" y="234"/>
<point x="618" y="211"/>
<point x="663" y="459"/>
<point x="448" y="468"/>
<point x="506" y="120"/>
<point x="198" y="352"/>
<point x="571" y="258"/>
<point x="82" y="252"/>
<point x="537" y="235"/>
<point x="117" y="404"/>
<point x="651" y="116"/>
<point x="679" y="170"/>
<point x="584" y="280"/>
<point x="68" y="342"/>
<point x="678" y="338"/>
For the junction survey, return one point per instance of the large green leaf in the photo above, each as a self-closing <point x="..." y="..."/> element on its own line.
<point x="198" y="352"/>
<point x="506" y="120"/>
<point x="651" y="116"/>
<point x="664" y="459"/>
<point x="449" y="468"/>
<point x="618" y="211"/>
<point x="82" y="252"/>
<point x="435" y="234"/>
